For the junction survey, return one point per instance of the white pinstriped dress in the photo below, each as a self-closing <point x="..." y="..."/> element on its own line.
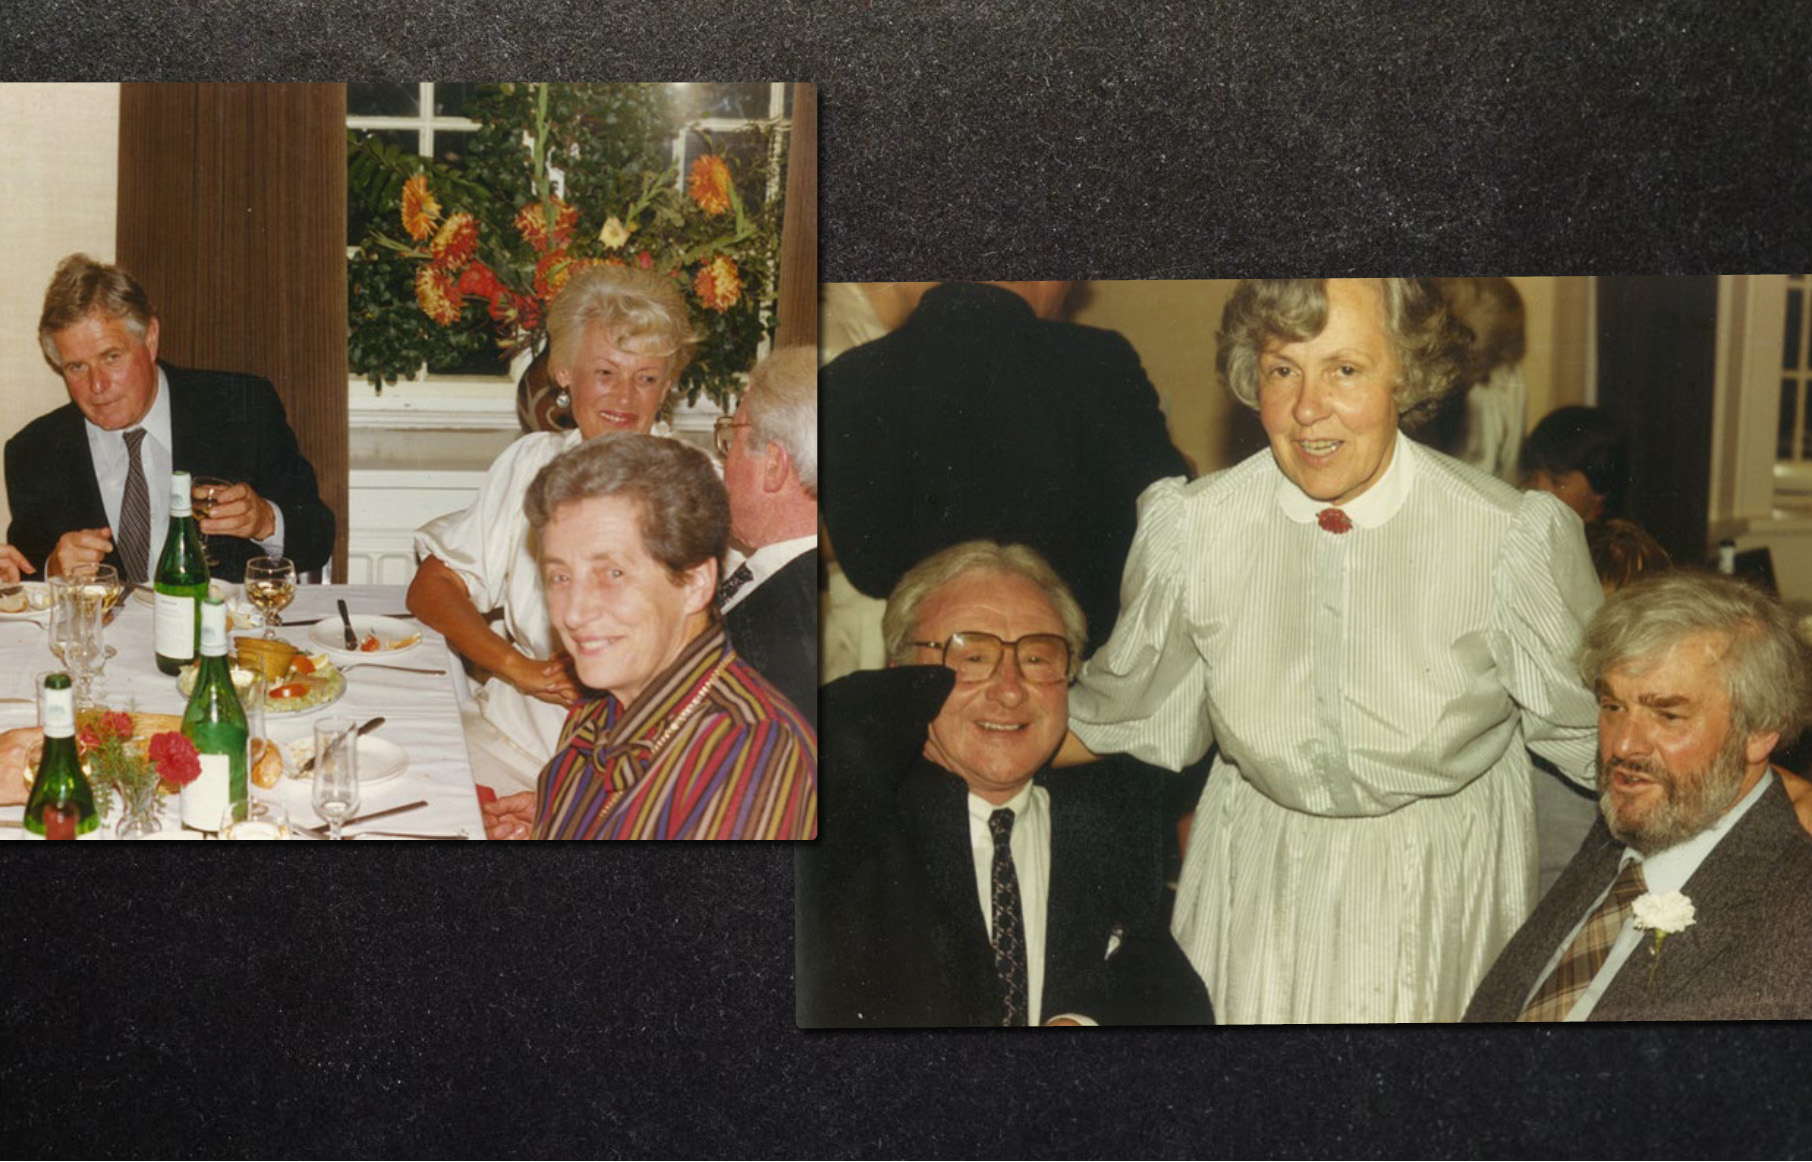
<point x="1365" y="844"/>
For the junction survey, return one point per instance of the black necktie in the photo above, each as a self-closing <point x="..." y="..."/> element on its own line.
<point x="733" y="584"/>
<point x="135" y="513"/>
<point x="1009" y="924"/>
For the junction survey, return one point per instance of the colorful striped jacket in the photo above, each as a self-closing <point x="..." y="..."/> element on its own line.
<point x="708" y="751"/>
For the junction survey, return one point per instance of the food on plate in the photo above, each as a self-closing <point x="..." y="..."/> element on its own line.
<point x="267" y="763"/>
<point x="15" y="601"/>
<point x="305" y="683"/>
<point x="372" y="643"/>
<point x="268" y="656"/>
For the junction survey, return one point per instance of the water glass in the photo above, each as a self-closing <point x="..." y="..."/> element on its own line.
<point x="254" y="819"/>
<point x="336" y="789"/>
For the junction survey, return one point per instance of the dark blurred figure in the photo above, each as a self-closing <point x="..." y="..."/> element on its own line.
<point x="1622" y="552"/>
<point x="1581" y="455"/>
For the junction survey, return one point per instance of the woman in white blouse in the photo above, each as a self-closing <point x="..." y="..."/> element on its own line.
<point x="618" y="340"/>
<point x="1371" y="632"/>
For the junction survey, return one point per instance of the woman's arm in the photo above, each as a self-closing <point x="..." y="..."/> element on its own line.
<point x="440" y="600"/>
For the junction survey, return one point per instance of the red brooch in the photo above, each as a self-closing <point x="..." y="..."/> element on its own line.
<point x="1334" y="520"/>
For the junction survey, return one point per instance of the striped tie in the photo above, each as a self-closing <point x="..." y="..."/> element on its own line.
<point x="1009" y="924"/>
<point x="134" y="537"/>
<point x="1586" y="955"/>
<point x="732" y="585"/>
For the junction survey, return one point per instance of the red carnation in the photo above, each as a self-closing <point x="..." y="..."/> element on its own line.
<point x="174" y="757"/>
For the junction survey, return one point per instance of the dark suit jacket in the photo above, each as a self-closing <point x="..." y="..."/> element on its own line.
<point x="890" y="929"/>
<point x="221" y="424"/>
<point x="1747" y="956"/>
<point x="978" y="419"/>
<point x="775" y="629"/>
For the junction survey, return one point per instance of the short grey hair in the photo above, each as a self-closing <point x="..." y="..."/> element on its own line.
<point x="781" y="407"/>
<point x="643" y="313"/>
<point x="923" y="580"/>
<point x="685" y="519"/>
<point x="1430" y="344"/>
<point x="82" y="287"/>
<point x="1767" y="668"/>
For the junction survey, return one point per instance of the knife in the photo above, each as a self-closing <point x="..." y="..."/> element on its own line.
<point x="369" y="726"/>
<point x="352" y="639"/>
<point x="369" y="815"/>
<point x="330" y="616"/>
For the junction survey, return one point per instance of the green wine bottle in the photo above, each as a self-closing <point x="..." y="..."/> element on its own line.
<point x="181" y="581"/>
<point x="215" y="723"/>
<point x="62" y="803"/>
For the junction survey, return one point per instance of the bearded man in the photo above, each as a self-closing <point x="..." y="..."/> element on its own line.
<point x="1688" y="901"/>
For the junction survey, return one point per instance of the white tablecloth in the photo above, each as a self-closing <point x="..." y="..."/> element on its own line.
<point x="421" y="711"/>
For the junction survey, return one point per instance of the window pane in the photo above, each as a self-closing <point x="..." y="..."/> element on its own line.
<point x="387" y="99"/>
<point x="1796" y="317"/>
<point x="693" y="102"/>
<point x="359" y="217"/>
<point x="452" y="98"/>
<point x="1789" y="409"/>
<point x="746" y="154"/>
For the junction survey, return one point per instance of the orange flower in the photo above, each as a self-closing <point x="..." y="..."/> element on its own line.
<point x="710" y="184"/>
<point x="645" y="260"/>
<point x="718" y="285"/>
<point x="419" y="207"/>
<point x="551" y="274"/>
<point x="458" y="238"/>
<point x="531" y="223"/>
<point x="438" y="297"/>
<point x="479" y="281"/>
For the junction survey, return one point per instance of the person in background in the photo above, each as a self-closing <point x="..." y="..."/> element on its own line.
<point x="1687" y="902"/>
<point x="1372" y="635"/>
<point x="770" y="458"/>
<point x="1580" y="455"/>
<point x="687" y="740"/>
<point x="1482" y="423"/>
<point x="1622" y="553"/>
<point x="618" y="341"/>
<point x="960" y="882"/>
<point x="89" y="481"/>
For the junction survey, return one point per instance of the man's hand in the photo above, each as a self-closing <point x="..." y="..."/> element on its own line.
<point x="551" y="681"/>
<point x="12" y="564"/>
<point x="81" y="547"/>
<point x="17" y="748"/>
<point x="240" y="512"/>
<point x="511" y="817"/>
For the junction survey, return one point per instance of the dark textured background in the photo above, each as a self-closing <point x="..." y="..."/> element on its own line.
<point x="471" y="1001"/>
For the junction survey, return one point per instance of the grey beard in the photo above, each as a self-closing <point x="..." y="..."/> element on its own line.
<point x="1689" y="804"/>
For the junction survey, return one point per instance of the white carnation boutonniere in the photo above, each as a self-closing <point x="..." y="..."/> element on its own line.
<point x="1663" y="915"/>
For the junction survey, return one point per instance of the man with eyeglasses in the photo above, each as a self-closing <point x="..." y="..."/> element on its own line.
<point x="958" y="880"/>
<point x="769" y="450"/>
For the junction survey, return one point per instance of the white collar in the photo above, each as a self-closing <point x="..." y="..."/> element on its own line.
<point x="980" y="809"/>
<point x="1372" y="507"/>
<point x="771" y="559"/>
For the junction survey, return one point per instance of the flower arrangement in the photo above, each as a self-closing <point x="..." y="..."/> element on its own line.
<point x="558" y="177"/>
<point x="117" y="764"/>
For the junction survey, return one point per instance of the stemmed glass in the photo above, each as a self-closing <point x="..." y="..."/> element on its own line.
<point x="201" y="503"/>
<point x="336" y="791"/>
<point x="254" y="819"/>
<point x="101" y="580"/>
<point x="270" y="584"/>
<point x="76" y="617"/>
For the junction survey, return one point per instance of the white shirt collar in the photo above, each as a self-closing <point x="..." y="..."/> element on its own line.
<point x="1372" y="507"/>
<point x="771" y="559"/>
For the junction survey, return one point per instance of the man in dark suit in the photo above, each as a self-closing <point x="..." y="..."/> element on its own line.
<point x="90" y="481"/>
<point x="1688" y="901"/>
<point x="770" y="455"/>
<point x="958" y="880"/>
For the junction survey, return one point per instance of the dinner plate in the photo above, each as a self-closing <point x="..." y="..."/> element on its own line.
<point x="380" y="761"/>
<point x="37" y="601"/>
<point x="334" y="689"/>
<point x="330" y="635"/>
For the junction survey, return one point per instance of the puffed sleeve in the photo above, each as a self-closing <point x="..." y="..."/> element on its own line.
<point x="1145" y="692"/>
<point x="479" y="542"/>
<point x="1545" y="592"/>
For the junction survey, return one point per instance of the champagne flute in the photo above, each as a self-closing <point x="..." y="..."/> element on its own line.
<point x="201" y="503"/>
<point x="270" y="584"/>
<point x="336" y="790"/>
<point x="103" y="581"/>
<point x="75" y="632"/>
<point x="254" y="819"/>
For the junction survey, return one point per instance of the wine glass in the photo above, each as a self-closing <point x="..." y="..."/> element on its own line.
<point x="336" y="791"/>
<point x="254" y="819"/>
<point x="270" y="584"/>
<point x="76" y="614"/>
<point x="201" y="503"/>
<point x="103" y="581"/>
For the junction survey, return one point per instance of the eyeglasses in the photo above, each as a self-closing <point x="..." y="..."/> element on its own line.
<point x="723" y="433"/>
<point x="1043" y="658"/>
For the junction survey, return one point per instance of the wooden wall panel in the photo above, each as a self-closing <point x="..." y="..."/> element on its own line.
<point x="232" y="213"/>
<point x="798" y="294"/>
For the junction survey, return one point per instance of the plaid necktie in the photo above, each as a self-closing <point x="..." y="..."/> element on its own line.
<point x="1009" y="925"/>
<point x="134" y="537"/>
<point x="1586" y="955"/>
<point x="731" y="585"/>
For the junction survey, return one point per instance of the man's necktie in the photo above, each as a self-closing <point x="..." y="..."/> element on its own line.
<point x="1586" y="955"/>
<point x="1009" y="924"/>
<point x="133" y="538"/>
<point x="733" y="584"/>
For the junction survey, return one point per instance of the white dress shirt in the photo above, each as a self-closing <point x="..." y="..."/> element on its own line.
<point x="1031" y="845"/>
<point x="157" y="461"/>
<point x="769" y="560"/>
<point x="1663" y="872"/>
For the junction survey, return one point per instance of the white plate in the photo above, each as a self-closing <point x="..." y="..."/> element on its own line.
<point x="380" y="761"/>
<point x="330" y="635"/>
<point x="37" y="601"/>
<point x="336" y="690"/>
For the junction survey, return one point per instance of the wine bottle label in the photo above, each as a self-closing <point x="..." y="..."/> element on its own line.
<point x="59" y="713"/>
<point x="204" y="799"/>
<point x="174" y="627"/>
<point x="180" y="503"/>
<point x="213" y="629"/>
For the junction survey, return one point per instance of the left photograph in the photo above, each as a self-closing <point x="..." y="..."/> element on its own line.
<point x="410" y="461"/>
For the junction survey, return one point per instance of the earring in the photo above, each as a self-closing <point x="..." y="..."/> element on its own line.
<point x="564" y="400"/>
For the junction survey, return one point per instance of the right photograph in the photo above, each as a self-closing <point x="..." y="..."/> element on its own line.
<point x="1317" y="651"/>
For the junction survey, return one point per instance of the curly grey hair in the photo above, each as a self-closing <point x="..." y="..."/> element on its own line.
<point x="923" y="580"/>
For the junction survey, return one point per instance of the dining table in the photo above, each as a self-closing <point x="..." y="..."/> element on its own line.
<point x="416" y="690"/>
